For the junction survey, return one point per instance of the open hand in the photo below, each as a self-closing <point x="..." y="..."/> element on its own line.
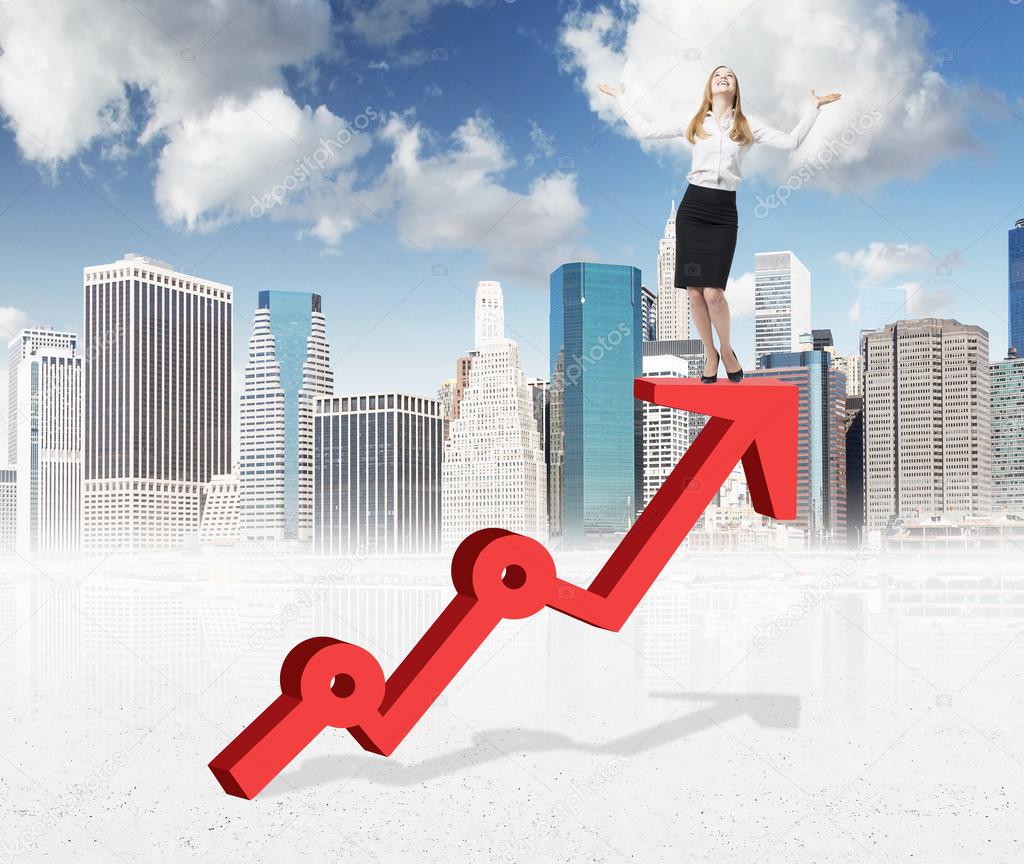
<point x="612" y="91"/>
<point x="824" y="100"/>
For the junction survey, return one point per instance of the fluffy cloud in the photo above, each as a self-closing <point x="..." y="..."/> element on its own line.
<point x="779" y="51"/>
<point x="202" y="83"/>
<point x="740" y="291"/>
<point x="454" y="199"/>
<point x="70" y="72"/>
<point x="384" y="22"/>
<point x="265" y="156"/>
<point x="881" y="261"/>
<point x="12" y="320"/>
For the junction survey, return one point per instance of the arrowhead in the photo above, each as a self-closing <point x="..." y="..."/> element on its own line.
<point x="766" y="412"/>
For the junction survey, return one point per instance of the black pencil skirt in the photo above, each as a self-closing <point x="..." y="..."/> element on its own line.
<point x="706" y="226"/>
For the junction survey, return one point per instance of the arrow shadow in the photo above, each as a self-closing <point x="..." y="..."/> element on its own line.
<point x="771" y="710"/>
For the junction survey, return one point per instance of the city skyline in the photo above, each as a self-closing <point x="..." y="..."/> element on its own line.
<point x="94" y="186"/>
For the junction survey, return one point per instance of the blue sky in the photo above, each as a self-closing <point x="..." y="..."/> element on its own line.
<point x="160" y="152"/>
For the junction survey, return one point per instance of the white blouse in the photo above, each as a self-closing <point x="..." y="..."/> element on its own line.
<point x="717" y="159"/>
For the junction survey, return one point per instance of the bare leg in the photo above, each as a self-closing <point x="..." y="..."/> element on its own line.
<point x="702" y="324"/>
<point x="718" y="311"/>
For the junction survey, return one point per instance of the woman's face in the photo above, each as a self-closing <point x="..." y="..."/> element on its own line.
<point x="723" y="80"/>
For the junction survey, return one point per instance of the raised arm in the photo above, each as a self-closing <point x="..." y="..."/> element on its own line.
<point x="675" y="128"/>
<point x="764" y="133"/>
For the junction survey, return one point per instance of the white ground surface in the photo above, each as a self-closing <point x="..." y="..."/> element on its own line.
<point x="754" y="710"/>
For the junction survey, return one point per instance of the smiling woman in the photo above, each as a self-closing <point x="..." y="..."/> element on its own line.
<point x="707" y="221"/>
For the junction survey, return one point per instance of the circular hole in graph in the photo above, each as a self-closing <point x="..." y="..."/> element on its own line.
<point x="343" y="685"/>
<point x="513" y="576"/>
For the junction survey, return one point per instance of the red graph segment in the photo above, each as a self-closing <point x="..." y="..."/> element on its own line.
<point x="498" y="574"/>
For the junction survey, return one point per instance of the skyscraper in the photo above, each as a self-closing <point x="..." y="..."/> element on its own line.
<point x="494" y="472"/>
<point x="288" y="368"/>
<point x="881" y="306"/>
<point x="48" y="438"/>
<point x="219" y="523"/>
<point x="673" y="312"/>
<point x="927" y="420"/>
<point x="8" y="510"/>
<point x="157" y="416"/>
<point x="851" y="365"/>
<point x="821" y="466"/>
<point x="854" y="470"/>
<point x="596" y="349"/>
<point x="782" y="303"/>
<point x="650" y="313"/>
<point x="685" y="356"/>
<point x="24" y="343"/>
<point x="377" y="475"/>
<point x="666" y="431"/>
<point x="1008" y="433"/>
<point x="1016" y="286"/>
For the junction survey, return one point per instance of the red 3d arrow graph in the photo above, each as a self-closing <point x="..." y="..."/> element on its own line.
<point x="498" y="574"/>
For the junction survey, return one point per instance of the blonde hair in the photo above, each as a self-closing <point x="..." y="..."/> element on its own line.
<point x="740" y="131"/>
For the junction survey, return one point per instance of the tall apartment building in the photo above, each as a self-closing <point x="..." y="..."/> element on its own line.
<point x="595" y="353"/>
<point x="47" y="432"/>
<point x="8" y="510"/>
<point x="673" y="311"/>
<point x="1008" y="433"/>
<point x="927" y="420"/>
<point x="446" y="399"/>
<point x="649" y="318"/>
<point x="685" y="356"/>
<point x="219" y="523"/>
<point x="821" y="464"/>
<point x="782" y="303"/>
<point x="852" y="366"/>
<point x="157" y="404"/>
<point x="377" y="475"/>
<point x="289" y="367"/>
<point x="494" y="472"/>
<point x="854" y="470"/>
<point x="22" y="345"/>
<point x="1015" y="299"/>
<point x="666" y="431"/>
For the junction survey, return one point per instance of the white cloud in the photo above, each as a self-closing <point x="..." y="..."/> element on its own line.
<point x="543" y="143"/>
<point x="69" y="71"/>
<point x="385" y="22"/>
<point x="881" y="261"/>
<point x="740" y="292"/>
<point x="780" y="51"/>
<point x="934" y="302"/>
<point x="12" y="320"/>
<point x="268" y="155"/>
<point x="454" y="199"/>
<point x="201" y="81"/>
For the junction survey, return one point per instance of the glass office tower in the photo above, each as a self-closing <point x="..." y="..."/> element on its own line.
<point x="596" y="471"/>
<point x="1016" y="298"/>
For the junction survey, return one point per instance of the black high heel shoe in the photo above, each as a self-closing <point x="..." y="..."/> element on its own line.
<point x="710" y="379"/>
<point x="738" y="374"/>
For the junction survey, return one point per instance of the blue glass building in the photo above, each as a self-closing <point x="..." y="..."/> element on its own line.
<point x="596" y="343"/>
<point x="1016" y="298"/>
